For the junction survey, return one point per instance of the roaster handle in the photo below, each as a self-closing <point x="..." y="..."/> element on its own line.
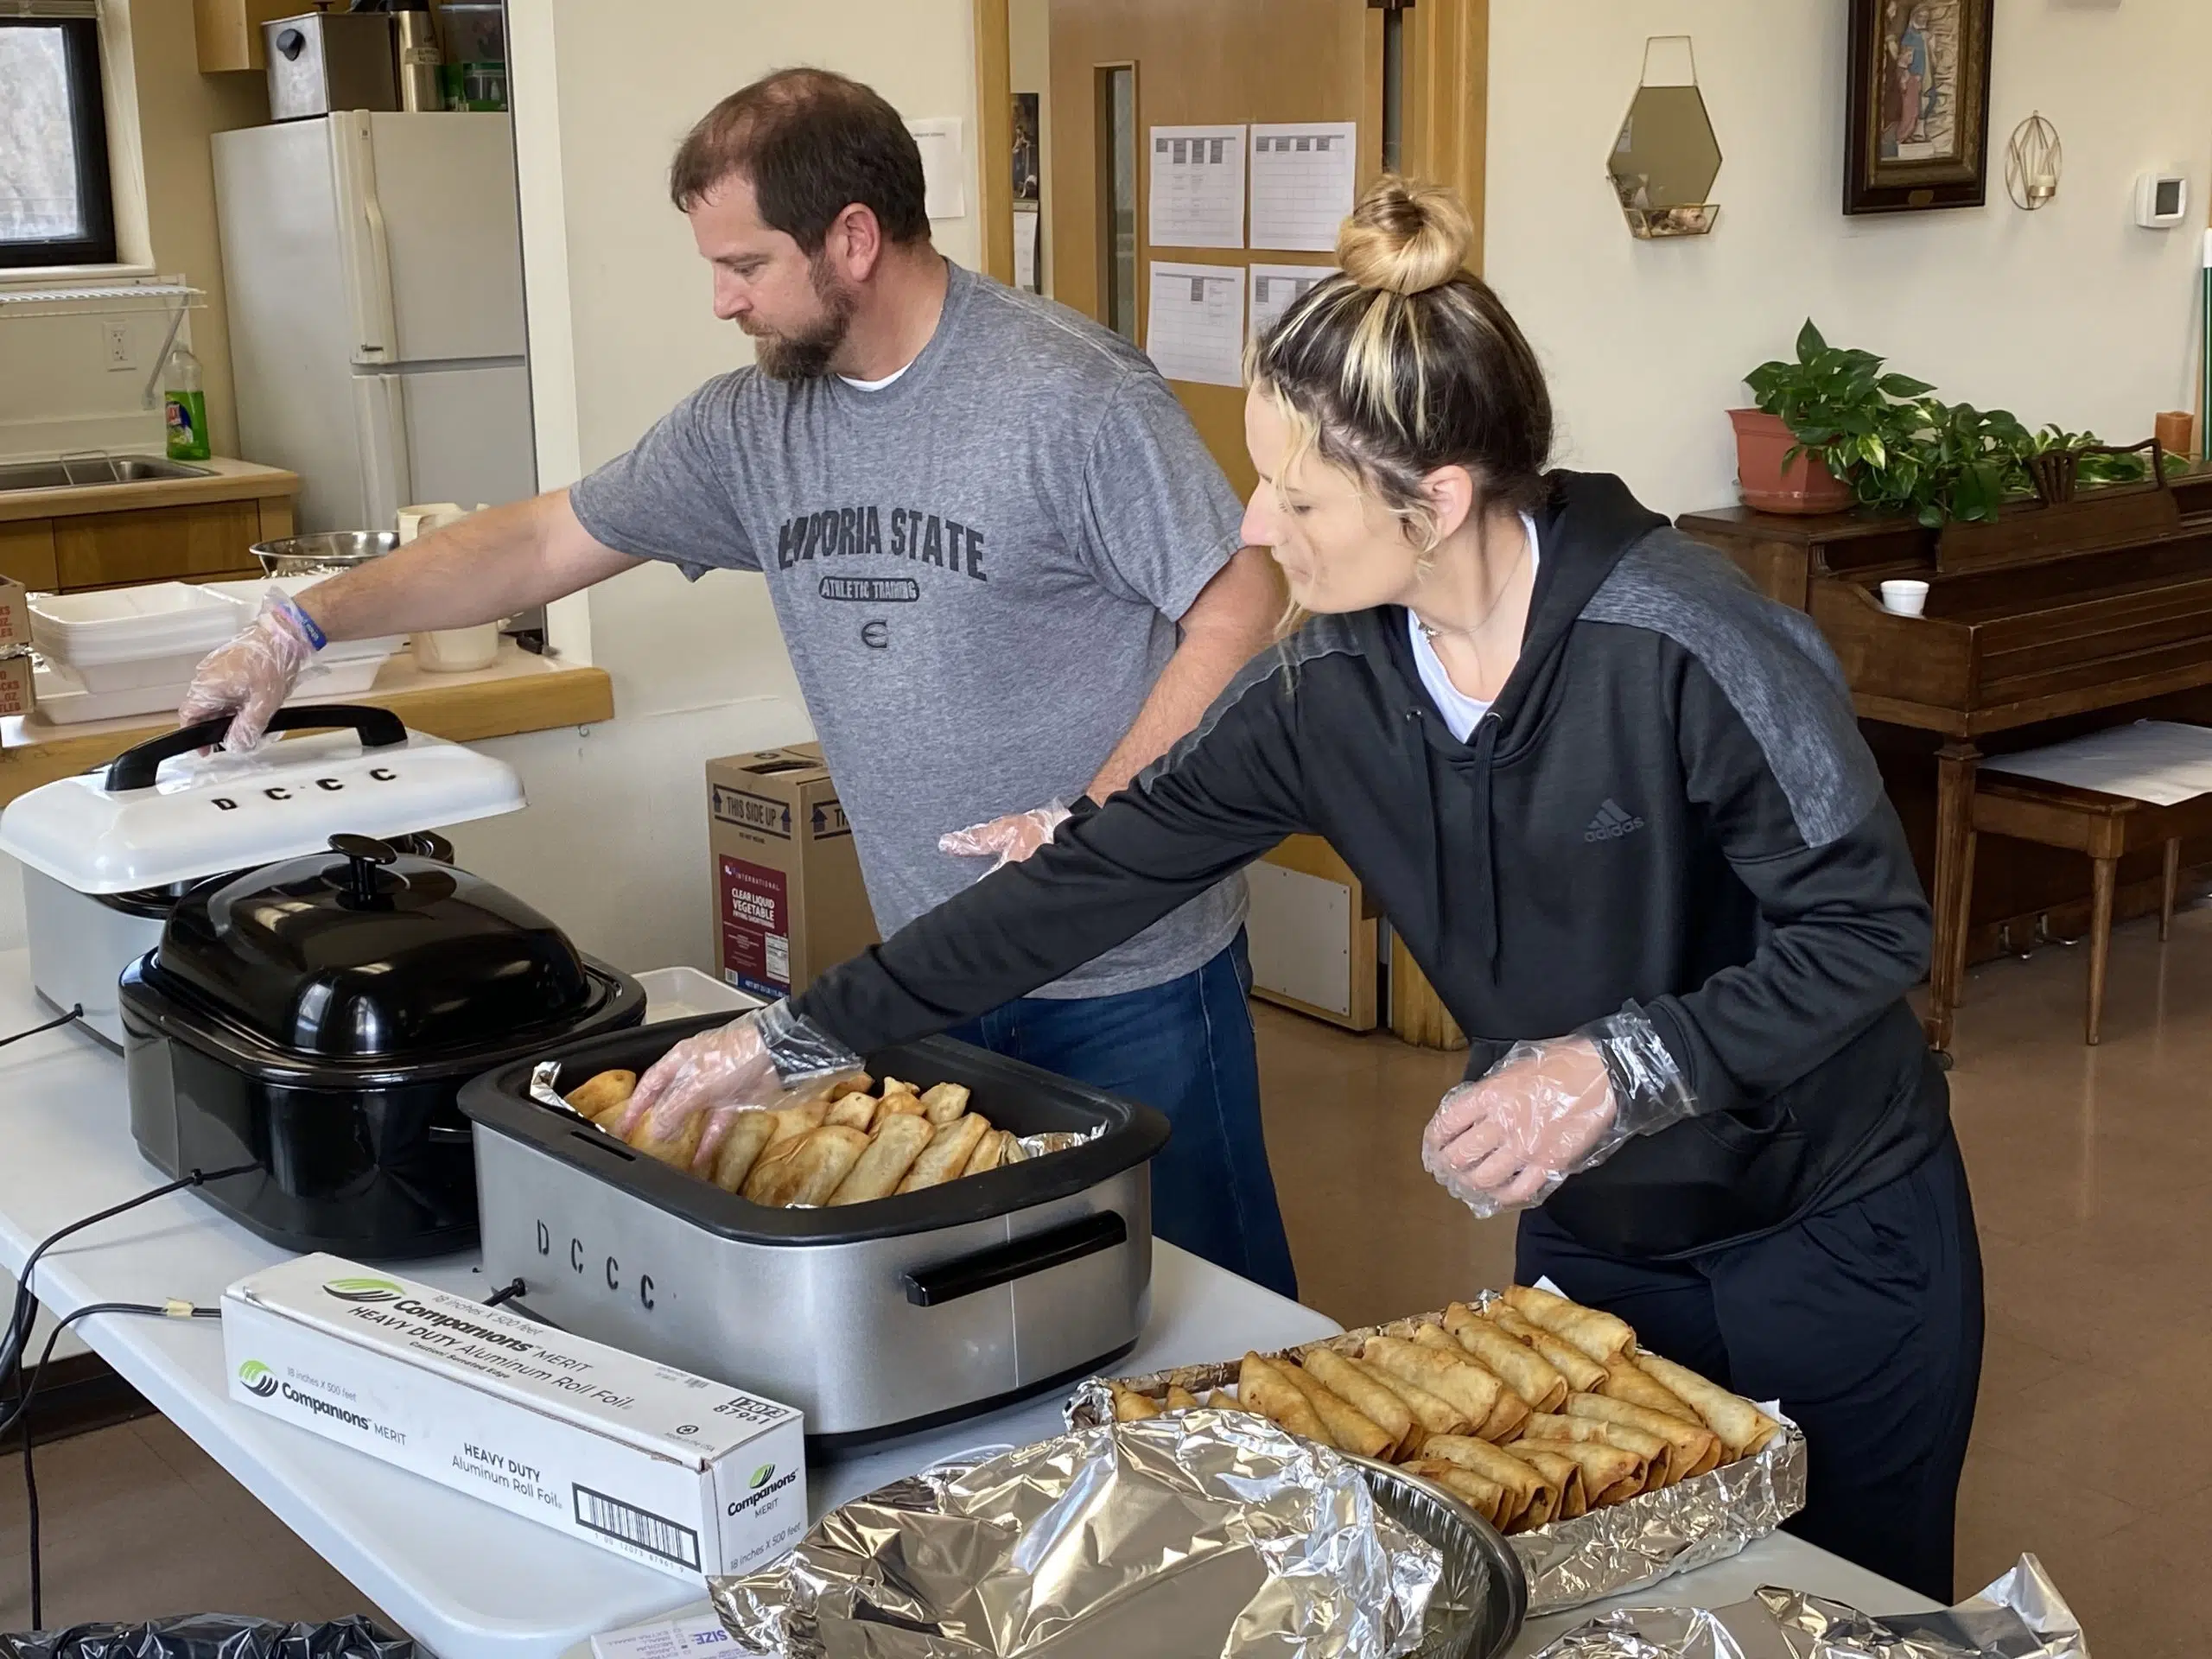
<point x="1002" y="1264"/>
<point x="134" y="768"/>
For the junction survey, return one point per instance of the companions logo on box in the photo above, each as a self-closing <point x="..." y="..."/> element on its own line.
<point x="363" y="1290"/>
<point x="258" y="1380"/>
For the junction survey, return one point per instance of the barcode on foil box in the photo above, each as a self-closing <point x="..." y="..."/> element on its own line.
<point x="615" y="1519"/>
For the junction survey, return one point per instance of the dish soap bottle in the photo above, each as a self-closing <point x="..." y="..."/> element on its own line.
<point x="186" y="404"/>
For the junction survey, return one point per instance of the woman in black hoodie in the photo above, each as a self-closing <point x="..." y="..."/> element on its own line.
<point x="1618" y="809"/>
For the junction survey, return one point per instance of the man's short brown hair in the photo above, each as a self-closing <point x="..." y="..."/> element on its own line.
<point x="812" y="143"/>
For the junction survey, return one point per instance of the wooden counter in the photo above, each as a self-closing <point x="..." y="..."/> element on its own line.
<point x="226" y="480"/>
<point x="521" y="692"/>
<point x="92" y="536"/>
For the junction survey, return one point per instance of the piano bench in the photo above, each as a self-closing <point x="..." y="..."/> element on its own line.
<point x="2105" y="827"/>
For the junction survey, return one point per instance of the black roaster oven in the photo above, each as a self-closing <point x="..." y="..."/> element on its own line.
<point x="314" y="1021"/>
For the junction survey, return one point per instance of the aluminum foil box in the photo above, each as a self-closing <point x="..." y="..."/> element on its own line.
<point x="689" y="1476"/>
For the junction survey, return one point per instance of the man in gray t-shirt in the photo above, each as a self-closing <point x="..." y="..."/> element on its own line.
<point x="1008" y="575"/>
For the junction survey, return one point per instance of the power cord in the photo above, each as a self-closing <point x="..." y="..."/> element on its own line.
<point x="22" y="1416"/>
<point x="24" y="1317"/>
<point x="506" y="1293"/>
<point x="70" y="1017"/>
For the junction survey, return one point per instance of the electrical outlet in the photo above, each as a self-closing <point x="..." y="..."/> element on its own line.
<point x="115" y="338"/>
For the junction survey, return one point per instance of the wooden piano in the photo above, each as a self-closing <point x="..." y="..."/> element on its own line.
<point x="2052" y="621"/>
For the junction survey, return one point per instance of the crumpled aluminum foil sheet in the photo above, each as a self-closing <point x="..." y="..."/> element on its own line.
<point x="1214" y="1533"/>
<point x="545" y="1089"/>
<point x="1608" y="1552"/>
<point x="2022" y="1616"/>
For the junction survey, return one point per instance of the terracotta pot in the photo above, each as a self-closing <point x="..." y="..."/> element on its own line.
<point x="1805" y="486"/>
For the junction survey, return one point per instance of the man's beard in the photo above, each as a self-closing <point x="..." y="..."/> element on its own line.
<point x="808" y="356"/>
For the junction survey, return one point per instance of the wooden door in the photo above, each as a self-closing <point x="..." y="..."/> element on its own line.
<point x="1194" y="63"/>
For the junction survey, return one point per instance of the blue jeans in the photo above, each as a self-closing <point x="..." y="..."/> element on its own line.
<point x="1184" y="1049"/>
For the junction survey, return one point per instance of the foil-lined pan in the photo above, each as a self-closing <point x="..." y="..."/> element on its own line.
<point x="545" y="1089"/>
<point x="2022" y="1616"/>
<point x="1569" y="1564"/>
<point x="1212" y="1533"/>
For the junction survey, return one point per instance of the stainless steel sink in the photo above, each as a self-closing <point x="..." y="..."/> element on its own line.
<point x="80" y="472"/>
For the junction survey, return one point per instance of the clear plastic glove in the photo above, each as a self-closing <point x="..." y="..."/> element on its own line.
<point x="758" y="1061"/>
<point x="1011" y="838"/>
<point x="1551" y="1109"/>
<point x="249" y="678"/>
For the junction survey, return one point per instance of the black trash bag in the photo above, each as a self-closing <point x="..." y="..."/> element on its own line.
<point x="212" y="1635"/>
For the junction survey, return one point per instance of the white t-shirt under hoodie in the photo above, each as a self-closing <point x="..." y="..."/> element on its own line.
<point x="1461" y="712"/>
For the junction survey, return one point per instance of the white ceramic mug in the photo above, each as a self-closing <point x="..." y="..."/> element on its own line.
<point x="1905" y="596"/>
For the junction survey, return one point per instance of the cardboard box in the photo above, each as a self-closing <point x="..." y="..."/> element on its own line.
<point x="18" y="689"/>
<point x="669" y="1469"/>
<point x="15" y="615"/>
<point x="786" y="878"/>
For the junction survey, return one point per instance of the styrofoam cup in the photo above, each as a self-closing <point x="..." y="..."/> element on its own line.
<point x="1905" y="596"/>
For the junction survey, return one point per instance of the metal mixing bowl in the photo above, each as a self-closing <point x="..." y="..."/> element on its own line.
<point x="324" y="552"/>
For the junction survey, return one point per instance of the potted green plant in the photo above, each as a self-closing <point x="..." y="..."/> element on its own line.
<point x="1818" y="421"/>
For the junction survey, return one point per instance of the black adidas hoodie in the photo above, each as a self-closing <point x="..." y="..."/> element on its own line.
<point x="1670" y="803"/>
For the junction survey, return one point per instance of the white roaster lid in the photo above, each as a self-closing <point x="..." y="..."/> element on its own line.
<point x="204" y="814"/>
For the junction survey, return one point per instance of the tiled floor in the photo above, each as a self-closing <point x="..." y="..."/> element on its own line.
<point x="2092" y="1172"/>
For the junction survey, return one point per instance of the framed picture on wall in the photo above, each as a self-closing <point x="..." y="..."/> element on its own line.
<point x="1917" y="121"/>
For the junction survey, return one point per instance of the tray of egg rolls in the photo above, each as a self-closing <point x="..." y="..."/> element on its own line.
<point x="845" y="1142"/>
<point x="1606" y="1466"/>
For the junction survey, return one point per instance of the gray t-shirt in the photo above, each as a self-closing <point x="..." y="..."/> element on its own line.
<point x="978" y="570"/>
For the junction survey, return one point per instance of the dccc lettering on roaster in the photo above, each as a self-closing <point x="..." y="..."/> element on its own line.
<point x="578" y="1257"/>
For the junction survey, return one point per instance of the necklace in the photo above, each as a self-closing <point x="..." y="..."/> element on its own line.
<point x="1432" y="633"/>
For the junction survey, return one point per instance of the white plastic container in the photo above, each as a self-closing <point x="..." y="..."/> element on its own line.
<point x="685" y="994"/>
<point x="457" y="651"/>
<point x="1905" y="596"/>
<point x="124" y="638"/>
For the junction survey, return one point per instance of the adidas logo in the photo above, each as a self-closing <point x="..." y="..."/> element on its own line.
<point x="1613" y="820"/>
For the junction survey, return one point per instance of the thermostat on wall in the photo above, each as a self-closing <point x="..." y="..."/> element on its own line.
<point x="2161" y="200"/>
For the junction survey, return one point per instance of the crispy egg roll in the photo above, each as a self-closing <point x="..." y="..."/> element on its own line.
<point x="1374" y="1401"/>
<point x="1697" y="1448"/>
<point x="1610" y="1474"/>
<point x="1657" y="1454"/>
<point x="945" y="1103"/>
<point x="676" y="1152"/>
<point x="898" y="1086"/>
<point x="1510" y="1410"/>
<point x="740" y="1149"/>
<point x="1601" y="1335"/>
<point x="1453" y="1377"/>
<point x="1538" y="1497"/>
<point x="814" y="1167"/>
<point x="1433" y="1412"/>
<point x="1486" y="1497"/>
<point x="1561" y="1471"/>
<point x="1625" y="1382"/>
<point x="792" y="1121"/>
<point x="855" y="1111"/>
<point x="1521" y="1368"/>
<point x="1584" y="1375"/>
<point x="891" y="1153"/>
<point x="948" y="1153"/>
<point x="1350" y="1428"/>
<point x="1130" y="1406"/>
<point x="990" y="1153"/>
<point x="608" y="1091"/>
<point x="1262" y="1387"/>
<point x="1742" y="1427"/>
<point x="899" y="1101"/>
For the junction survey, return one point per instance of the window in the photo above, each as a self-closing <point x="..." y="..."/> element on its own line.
<point x="55" y="208"/>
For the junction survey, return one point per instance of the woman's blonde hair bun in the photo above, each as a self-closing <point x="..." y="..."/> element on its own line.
<point x="1405" y="237"/>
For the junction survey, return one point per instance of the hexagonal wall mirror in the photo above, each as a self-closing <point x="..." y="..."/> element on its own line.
<point x="1667" y="157"/>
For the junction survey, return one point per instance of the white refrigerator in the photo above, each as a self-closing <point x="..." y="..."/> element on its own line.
<point x="373" y="264"/>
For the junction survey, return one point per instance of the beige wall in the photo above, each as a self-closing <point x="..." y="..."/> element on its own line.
<point x="162" y="110"/>
<point x="614" y="844"/>
<point x="2071" y="314"/>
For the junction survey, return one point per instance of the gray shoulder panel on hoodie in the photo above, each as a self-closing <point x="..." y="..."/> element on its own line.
<point x="1319" y="637"/>
<point x="1770" y="663"/>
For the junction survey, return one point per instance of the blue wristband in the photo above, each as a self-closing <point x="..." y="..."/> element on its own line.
<point x="290" y="607"/>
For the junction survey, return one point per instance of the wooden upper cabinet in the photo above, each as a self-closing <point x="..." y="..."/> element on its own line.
<point x="227" y="33"/>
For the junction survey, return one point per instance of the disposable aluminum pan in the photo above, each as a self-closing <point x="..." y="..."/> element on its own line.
<point x="1608" y="1552"/>
<point x="1212" y="1533"/>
